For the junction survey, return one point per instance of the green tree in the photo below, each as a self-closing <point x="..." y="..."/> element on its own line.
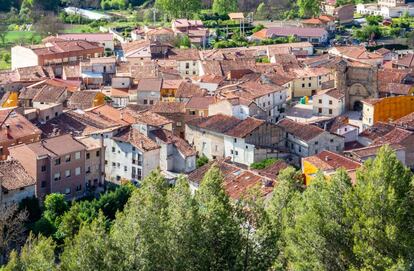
<point x="220" y="230"/>
<point x="38" y="254"/>
<point x="262" y="12"/>
<point x="90" y="249"/>
<point x="281" y="209"/>
<point x="55" y="206"/>
<point x="179" y="8"/>
<point x="308" y="8"/>
<point x="201" y="161"/>
<point x="320" y="239"/>
<point x="380" y="208"/>
<point x="224" y="6"/>
<point x="259" y="237"/>
<point x="139" y="232"/>
<point x="184" y="228"/>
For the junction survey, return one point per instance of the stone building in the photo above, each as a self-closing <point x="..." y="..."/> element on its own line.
<point x="358" y="81"/>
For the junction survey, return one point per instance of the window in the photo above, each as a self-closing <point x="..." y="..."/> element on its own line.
<point x="43" y="184"/>
<point x="320" y="101"/>
<point x="235" y="140"/>
<point x="113" y="164"/>
<point x="187" y="65"/>
<point x="330" y="111"/>
<point x="57" y="161"/>
<point x="88" y="170"/>
<point x="330" y="101"/>
<point x="88" y="155"/>
<point x="98" y="153"/>
<point x="231" y="151"/>
<point x="309" y="84"/>
<point x="320" y="110"/>
<point x="264" y="104"/>
<point x="331" y="140"/>
<point x="57" y="176"/>
<point x="151" y="102"/>
<point x="268" y="103"/>
<point x="178" y="124"/>
<point x="77" y="155"/>
<point x="145" y="101"/>
<point x="79" y="187"/>
<point x="125" y="168"/>
<point x="43" y="168"/>
<point x="118" y="164"/>
<point x="113" y="149"/>
<point x="67" y="173"/>
<point x="303" y="85"/>
<point x="237" y="153"/>
<point x="67" y="158"/>
<point x="77" y="171"/>
<point x="139" y="173"/>
<point x="67" y="191"/>
<point x="316" y="142"/>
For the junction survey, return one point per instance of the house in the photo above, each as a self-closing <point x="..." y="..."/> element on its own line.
<point x="94" y="163"/>
<point x="194" y="29"/>
<point x="386" y="11"/>
<point x="267" y="95"/>
<point x="237" y="180"/>
<point x="176" y="155"/>
<point x="54" y="54"/>
<point x="130" y="156"/>
<point x="15" y="183"/>
<point x="403" y="138"/>
<point x="48" y="102"/>
<point x="86" y="99"/>
<point x="386" y="109"/>
<point x="106" y="40"/>
<point x="237" y="107"/>
<point x="305" y="140"/>
<point x="149" y="91"/>
<point x="174" y="111"/>
<point x="314" y="35"/>
<point x="387" y="54"/>
<point x="187" y="90"/>
<point x="198" y="106"/>
<point x="396" y="89"/>
<point x="378" y="130"/>
<point x="15" y="129"/>
<point x="97" y="72"/>
<point x="169" y="89"/>
<point x="71" y="72"/>
<point x="161" y="34"/>
<point x="328" y="163"/>
<point x="340" y="125"/>
<point x="344" y="14"/>
<point x="210" y="82"/>
<point x="188" y="61"/>
<point x="307" y="81"/>
<point x="57" y="164"/>
<point x="363" y="154"/>
<point x="121" y="97"/>
<point x="323" y="21"/>
<point x="245" y="141"/>
<point x="405" y="62"/>
<point x="136" y="51"/>
<point x="329" y="102"/>
<point x="358" y="53"/>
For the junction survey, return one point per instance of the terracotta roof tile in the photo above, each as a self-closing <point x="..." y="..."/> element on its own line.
<point x="200" y="103"/>
<point x="303" y="131"/>
<point x="13" y="176"/>
<point x="168" y="137"/>
<point x="330" y="161"/>
<point x="137" y="139"/>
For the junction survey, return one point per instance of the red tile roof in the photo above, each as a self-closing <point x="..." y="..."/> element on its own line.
<point x="200" y="103"/>
<point x="134" y="137"/>
<point x="328" y="161"/>
<point x="302" y="131"/>
<point x="13" y="176"/>
<point x="168" y="137"/>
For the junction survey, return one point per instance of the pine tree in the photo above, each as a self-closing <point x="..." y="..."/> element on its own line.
<point x="90" y="249"/>
<point x="38" y="254"/>
<point x="139" y="232"/>
<point x="320" y="239"/>
<point x="381" y="210"/>
<point x="220" y="230"/>
<point x="184" y="228"/>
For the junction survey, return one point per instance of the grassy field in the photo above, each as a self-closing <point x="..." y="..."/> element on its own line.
<point x="14" y="37"/>
<point x="3" y="64"/>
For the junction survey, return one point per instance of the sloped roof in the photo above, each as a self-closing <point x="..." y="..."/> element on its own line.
<point x="169" y="138"/>
<point x="302" y="131"/>
<point x="137" y="139"/>
<point x="13" y="176"/>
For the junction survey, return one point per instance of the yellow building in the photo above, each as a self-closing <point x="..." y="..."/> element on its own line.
<point x="309" y="80"/>
<point x="169" y="89"/>
<point x="10" y="99"/>
<point x="386" y="109"/>
<point x="327" y="163"/>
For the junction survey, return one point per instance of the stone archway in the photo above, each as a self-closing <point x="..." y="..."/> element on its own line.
<point x="356" y="93"/>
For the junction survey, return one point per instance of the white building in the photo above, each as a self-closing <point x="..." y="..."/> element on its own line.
<point x="330" y="102"/>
